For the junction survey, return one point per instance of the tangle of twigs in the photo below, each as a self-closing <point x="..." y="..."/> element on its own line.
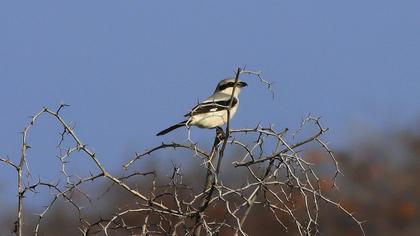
<point x="277" y="179"/>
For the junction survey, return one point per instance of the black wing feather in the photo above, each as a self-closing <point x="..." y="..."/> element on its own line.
<point x="212" y="106"/>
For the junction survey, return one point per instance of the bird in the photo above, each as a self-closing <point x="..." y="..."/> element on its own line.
<point x="212" y="112"/>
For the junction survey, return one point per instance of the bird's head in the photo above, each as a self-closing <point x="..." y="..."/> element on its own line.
<point x="226" y="86"/>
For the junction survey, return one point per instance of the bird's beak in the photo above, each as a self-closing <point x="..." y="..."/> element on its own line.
<point x="242" y="84"/>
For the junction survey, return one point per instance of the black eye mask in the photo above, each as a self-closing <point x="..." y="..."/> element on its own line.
<point x="227" y="85"/>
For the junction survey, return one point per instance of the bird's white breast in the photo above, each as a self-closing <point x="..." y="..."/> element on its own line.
<point x="212" y="119"/>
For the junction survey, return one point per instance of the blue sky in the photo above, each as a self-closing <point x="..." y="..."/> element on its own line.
<point x="131" y="68"/>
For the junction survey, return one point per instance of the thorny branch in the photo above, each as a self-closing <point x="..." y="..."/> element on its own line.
<point x="277" y="178"/>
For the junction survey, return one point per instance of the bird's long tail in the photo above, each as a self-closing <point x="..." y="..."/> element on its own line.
<point x="165" y="131"/>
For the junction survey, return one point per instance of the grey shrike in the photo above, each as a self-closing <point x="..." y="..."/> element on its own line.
<point x="212" y="112"/>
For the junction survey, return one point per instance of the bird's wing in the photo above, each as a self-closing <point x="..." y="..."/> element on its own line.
<point x="214" y="103"/>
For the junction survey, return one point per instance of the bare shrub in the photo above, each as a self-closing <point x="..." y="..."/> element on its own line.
<point x="267" y="172"/>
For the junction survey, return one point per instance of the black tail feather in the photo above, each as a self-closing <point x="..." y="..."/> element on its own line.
<point x="165" y="131"/>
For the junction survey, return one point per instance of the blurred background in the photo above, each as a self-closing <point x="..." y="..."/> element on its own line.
<point x="132" y="68"/>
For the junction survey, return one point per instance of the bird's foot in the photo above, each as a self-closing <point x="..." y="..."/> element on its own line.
<point x="221" y="135"/>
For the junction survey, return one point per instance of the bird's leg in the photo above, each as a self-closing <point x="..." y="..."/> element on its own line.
<point x="220" y="133"/>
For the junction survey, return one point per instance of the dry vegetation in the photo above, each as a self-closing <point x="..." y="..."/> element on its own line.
<point x="251" y="181"/>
